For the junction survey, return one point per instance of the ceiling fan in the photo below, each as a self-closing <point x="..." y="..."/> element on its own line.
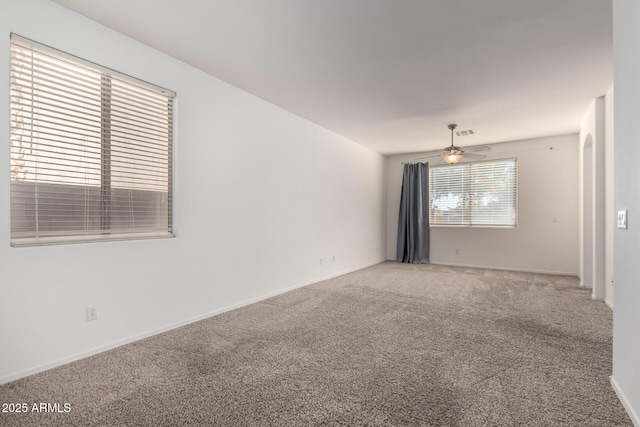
<point x="452" y="154"/>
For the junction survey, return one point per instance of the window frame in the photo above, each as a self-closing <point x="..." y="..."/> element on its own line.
<point x="470" y="223"/>
<point x="105" y="232"/>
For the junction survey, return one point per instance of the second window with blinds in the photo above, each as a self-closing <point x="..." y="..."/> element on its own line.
<point x="478" y="194"/>
<point x="91" y="151"/>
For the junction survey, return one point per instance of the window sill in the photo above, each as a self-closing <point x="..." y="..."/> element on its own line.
<point x="60" y="240"/>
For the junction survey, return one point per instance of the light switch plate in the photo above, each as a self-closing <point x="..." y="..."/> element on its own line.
<point x="622" y="219"/>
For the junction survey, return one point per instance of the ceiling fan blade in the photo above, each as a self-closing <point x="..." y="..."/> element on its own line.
<point x="473" y="156"/>
<point x="477" y="148"/>
<point x="429" y="157"/>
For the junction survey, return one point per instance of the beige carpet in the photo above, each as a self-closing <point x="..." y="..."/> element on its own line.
<point x="391" y="345"/>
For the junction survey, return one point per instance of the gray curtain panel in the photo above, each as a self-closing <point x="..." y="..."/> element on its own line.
<point x="413" y="220"/>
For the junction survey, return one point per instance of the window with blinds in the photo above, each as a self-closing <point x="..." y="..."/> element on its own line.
<point x="474" y="194"/>
<point x="91" y="151"/>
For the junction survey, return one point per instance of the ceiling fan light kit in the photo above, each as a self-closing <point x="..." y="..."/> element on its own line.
<point x="452" y="157"/>
<point x="453" y="154"/>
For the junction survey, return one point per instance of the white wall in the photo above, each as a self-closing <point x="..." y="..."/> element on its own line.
<point x="546" y="239"/>
<point x="609" y="207"/>
<point x="260" y="196"/>
<point x="626" y="316"/>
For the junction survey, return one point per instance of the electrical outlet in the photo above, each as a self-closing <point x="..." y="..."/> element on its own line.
<point x="457" y="251"/>
<point x="92" y="313"/>
<point x="333" y="259"/>
<point x="321" y="261"/>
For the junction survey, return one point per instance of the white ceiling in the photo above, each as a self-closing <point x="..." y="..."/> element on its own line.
<point x="391" y="74"/>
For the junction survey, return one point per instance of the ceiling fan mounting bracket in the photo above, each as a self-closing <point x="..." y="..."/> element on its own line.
<point x="452" y="126"/>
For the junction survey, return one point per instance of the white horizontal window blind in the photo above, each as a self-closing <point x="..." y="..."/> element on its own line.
<point x="474" y="194"/>
<point x="91" y="151"/>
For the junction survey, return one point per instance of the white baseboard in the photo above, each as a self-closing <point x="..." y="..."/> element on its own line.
<point x="103" y="348"/>
<point x="524" y="270"/>
<point x="609" y="303"/>
<point x="623" y="399"/>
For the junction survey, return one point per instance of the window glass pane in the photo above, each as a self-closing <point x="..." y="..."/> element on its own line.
<point x="449" y="195"/>
<point x="140" y="131"/>
<point x="55" y="120"/>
